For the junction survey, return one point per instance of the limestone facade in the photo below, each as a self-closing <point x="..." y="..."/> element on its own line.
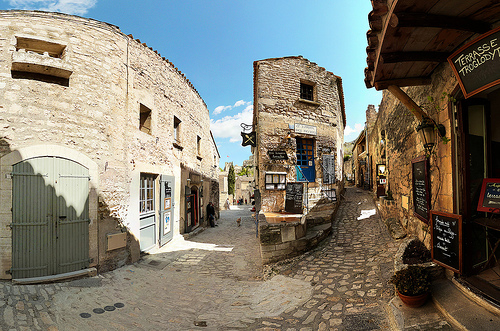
<point x="298" y="110"/>
<point x="80" y="89"/>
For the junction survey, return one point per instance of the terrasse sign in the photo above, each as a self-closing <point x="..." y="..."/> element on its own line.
<point x="477" y="64"/>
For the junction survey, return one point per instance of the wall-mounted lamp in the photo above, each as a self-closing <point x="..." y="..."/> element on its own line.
<point x="427" y="129"/>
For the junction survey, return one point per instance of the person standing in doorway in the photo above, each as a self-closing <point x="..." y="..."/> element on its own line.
<point x="226" y="204"/>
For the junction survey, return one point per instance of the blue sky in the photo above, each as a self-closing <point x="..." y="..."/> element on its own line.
<point x="214" y="43"/>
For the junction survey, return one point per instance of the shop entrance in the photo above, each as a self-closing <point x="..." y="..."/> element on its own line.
<point x="192" y="216"/>
<point x="478" y="148"/>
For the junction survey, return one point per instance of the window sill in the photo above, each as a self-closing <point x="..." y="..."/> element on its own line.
<point x="314" y="103"/>
<point x="176" y="145"/>
<point x="40" y="64"/>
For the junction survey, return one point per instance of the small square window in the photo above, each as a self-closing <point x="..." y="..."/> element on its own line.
<point x="307" y="91"/>
<point x="145" y="119"/>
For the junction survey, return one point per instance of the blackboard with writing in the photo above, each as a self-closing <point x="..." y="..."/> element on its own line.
<point x="477" y="64"/>
<point x="446" y="240"/>
<point x="421" y="189"/>
<point x="489" y="201"/>
<point x="293" y="198"/>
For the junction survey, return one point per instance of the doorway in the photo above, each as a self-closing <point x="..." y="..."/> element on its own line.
<point x="478" y="147"/>
<point x="50" y="217"/>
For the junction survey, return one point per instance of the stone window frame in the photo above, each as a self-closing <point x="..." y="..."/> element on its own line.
<point x="177" y="130"/>
<point x="145" y="119"/>
<point x="198" y="148"/>
<point x="314" y="101"/>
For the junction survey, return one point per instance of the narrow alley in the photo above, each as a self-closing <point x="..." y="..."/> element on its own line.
<point x="215" y="281"/>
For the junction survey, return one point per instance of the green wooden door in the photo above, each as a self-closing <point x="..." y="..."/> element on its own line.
<point x="50" y="217"/>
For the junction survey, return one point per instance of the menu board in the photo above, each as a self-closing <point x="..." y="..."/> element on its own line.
<point x="476" y="64"/>
<point x="421" y="189"/>
<point x="293" y="198"/>
<point x="489" y="201"/>
<point x="446" y="240"/>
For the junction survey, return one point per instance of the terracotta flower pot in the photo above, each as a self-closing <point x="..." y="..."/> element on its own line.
<point x="414" y="301"/>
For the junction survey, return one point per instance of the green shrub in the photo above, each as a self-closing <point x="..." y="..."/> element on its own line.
<point x="414" y="280"/>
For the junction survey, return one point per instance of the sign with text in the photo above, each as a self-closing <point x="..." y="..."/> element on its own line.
<point x="293" y="198"/>
<point x="306" y="129"/>
<point x="489" y="200"/>
<point x="446" y="240"/>
<point x="277" y="155"/>
<point x="477" y="64"/>
<point x="421" y="189"/>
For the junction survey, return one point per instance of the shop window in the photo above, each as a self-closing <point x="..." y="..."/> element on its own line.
<point x="275" y="180"/>
<point x="306" y="91"/>
<point x="145" y="119"/>
<point x="146" y="197"/>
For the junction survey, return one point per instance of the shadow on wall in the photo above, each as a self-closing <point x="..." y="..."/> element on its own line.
<point x="52" y="231"/>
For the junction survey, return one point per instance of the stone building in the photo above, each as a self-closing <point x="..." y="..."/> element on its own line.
<point x="361" y="157"/>
<point x="299" y="118"/>
<point x="105" y="148"/>
<point x="436" y="133"/>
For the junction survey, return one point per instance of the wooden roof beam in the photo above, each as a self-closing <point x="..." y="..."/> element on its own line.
<point x="422" y="20"/>
<point x="414" y="81"/>
<point x="396" y="57"/>
<point x="408" y="102"/>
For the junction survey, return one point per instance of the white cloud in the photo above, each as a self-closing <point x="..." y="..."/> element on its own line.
<point x="73" y="7"/>
<point x="229" y="126"/>
<point x="239" y="103"/>
<point x="348" y="131"/>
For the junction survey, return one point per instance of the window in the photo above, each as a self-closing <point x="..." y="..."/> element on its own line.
<point x="177" y="127"/>
<point x="40" y="46"/>
<point x="146" y="197"/>
<point x="275" y="180"/>
<point x="307" y="91"/>
<point x="198" y="144"/>
<point x="145" y="119"/>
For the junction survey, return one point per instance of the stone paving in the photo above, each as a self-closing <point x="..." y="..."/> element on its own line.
<point x="215" y="281"/>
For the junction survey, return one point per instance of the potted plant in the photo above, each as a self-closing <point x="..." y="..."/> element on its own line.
<point x="412" y="285"/>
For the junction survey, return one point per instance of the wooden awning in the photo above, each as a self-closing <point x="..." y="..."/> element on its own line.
<point x="408" y="39"/>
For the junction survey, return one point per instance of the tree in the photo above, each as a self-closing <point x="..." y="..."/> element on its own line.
<point x="230" y="180"/>
<point x="245" y="171"/>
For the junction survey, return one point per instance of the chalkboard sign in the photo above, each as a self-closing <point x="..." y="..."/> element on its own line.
<point x="446" y="240"/>
<point x="477" y="64"/>
<point x="293" y="198"/>
<point x="421" y="190"/>
<point x="489" y="201"/>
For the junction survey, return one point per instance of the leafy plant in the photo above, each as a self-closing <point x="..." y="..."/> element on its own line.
<point x="414" y="280"/>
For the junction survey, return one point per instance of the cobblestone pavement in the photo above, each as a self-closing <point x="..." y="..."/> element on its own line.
<point x="350" y="274"/>
<point x="215" y="281"/>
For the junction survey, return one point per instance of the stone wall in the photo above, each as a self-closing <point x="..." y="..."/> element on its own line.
<point x="96" y="113"/>
<point x="278" y="107"/>
<point x="403" y="144"/>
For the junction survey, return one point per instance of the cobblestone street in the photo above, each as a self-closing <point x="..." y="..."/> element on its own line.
<point x="215" y="281"/>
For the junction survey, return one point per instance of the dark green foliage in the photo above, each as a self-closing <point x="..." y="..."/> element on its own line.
<point x="230" y="180"/>
<point x="414" y="280"/>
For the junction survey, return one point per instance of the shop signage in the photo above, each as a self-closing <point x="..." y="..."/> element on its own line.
<point x="306" y="129"/>
<point x="421" y="191"/>
<point x="277" y="155"/>
<point x="446" y="240"/>
<point x="248" y="139"/>
<point x="477" y="64"/>
<point x="489" y="200"/>
<point x="293" y="198"/>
